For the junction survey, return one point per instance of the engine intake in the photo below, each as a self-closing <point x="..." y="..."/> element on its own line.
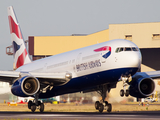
<point x="147" y="86"/>
<point x="141" y="86"/>
<point x="26" y="86"/>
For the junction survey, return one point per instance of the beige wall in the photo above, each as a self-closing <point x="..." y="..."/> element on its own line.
<point x="52" y="45"/>
<point x="142" y="33"/>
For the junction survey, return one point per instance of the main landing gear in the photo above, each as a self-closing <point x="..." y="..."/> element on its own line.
<point x="125" y="91"/>
<point x="36" y="104"/>
<point x="102" y="104"/>
<point x="33" y="106"/>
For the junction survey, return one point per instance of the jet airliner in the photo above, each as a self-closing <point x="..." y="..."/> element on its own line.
<point x="93" y="68"/>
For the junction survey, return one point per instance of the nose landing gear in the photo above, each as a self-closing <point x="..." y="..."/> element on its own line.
<point x="126" y="81"/>
<point x="124" y="92"/>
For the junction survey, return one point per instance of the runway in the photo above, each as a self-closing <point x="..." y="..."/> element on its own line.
<point x="147" y="115"/>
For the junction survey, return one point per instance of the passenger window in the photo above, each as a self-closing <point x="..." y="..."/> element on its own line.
<point x="121" y="49"/>
<point x="128" y="49"/>
<point x="117" y="50"/>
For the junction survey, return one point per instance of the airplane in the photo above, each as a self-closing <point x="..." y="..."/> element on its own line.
<point x="97" y="67"/>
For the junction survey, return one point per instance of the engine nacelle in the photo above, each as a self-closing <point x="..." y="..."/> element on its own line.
<point x="25" y="86"/>
<point x="141" y="86"/>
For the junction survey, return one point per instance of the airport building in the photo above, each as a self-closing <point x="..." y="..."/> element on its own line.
<point x="145" y="35"/>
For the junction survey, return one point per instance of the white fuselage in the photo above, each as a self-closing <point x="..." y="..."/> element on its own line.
<point x="86" y="61"/>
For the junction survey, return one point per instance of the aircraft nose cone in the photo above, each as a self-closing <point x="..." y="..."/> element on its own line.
<point x="134" y="60"/>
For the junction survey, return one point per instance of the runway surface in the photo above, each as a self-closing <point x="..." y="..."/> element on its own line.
<point x="147" y="115"/>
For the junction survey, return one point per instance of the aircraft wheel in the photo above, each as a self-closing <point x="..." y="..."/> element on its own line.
<point x="127" y="93"/>
<point x="41" y="107"/>
<point x="97" y="105"/>
<point x="30" y="104"/>
<point x="109" y="109"/>
<point x="101" y="107"/>
<point x="33" y="108"/>
<point x="39" y="102"/>
<point x="122" y="93"/>
<point x="106" y="103"/>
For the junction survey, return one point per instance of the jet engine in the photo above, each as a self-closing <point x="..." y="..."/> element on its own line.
<point x="141" y="86"/>
<point x="25" y="86"/>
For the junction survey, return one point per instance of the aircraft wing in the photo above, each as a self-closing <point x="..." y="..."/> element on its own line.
<point x="8" y="76"/>
<point x="44" y="78"/>
<point x="153" y="74"/>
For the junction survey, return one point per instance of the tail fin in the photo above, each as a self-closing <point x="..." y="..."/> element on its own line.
<point x="21" y="56"/>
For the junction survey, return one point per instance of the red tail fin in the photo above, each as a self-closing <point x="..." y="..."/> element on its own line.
<point x="21" y="56"/>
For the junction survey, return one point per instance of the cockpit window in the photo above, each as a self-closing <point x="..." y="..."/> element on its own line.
<point x="127" y="49"/>
<point x="120" y="49"/>
<point x="117" y="50"/>
<point x="134" y="49"/>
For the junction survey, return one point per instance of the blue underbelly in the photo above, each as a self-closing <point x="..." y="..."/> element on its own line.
<point x="89" y="81"/>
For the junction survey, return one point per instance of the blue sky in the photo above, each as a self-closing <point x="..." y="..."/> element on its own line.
<point x="66" y="17"/>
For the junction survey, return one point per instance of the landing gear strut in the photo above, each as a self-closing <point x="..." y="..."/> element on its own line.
<point x="35" y="104"/>
<point x="102" y="104"/>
